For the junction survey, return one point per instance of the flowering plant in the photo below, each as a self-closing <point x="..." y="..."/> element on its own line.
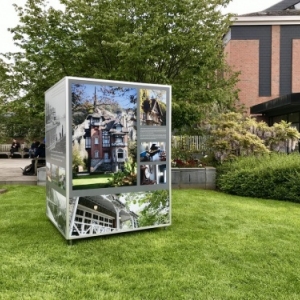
<point x="191" y="163"/>
<point x="184" y="156"/>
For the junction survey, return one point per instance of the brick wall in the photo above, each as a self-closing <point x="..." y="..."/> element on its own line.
<point x="296" y="66"/>
<point x="275" y="65"/>
<point x="244" y="58"/>
<point x="243" y="55"/>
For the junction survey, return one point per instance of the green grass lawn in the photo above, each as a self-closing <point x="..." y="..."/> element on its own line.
<point x="218" y="247"/>
<point x="91" y="181"/>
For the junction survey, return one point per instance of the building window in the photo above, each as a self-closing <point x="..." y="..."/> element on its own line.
<point x="120" y="154"/>
<point x="294" y="117"/>
<point x="96" y="154"/>
<point x="95" y="121"/>
<point x="119" y="140"/>
<point x="88" y="221"/>
<point x="96" y="141"/>
<point x="278" y="119"/>
<point x="87" y="142"/>
<point x="119" y="128"/>
<point x="105" y="139"/>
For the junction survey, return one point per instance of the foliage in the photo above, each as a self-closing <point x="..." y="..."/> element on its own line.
<point x="250" y="248"/>
<point x="126" y="176"/>
<point x="132" y="150"/>
<point x="76" y="160"/>
<point x="155" y="211"/>
<point x="274" y="176"/>
<point x="233" y="135"/>
<point x="183" y="154"/>
<point x="171" y="42"/>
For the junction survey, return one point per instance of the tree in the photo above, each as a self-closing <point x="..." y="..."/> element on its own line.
<point x="168" y="42"/>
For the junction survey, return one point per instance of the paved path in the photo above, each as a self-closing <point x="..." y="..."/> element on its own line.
<point x="11" y="173"/>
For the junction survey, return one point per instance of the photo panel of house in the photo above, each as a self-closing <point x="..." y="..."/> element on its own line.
<point x="113" y="213"/>
<point x="56" y="174"/>
<point x="55" y="128"/>
<point x="62" y="178"/>
<point x="152" y="107"/>
<point x="104" y="135"/>
<point x="56" y="209"/>
<point x="48" y="171"/>
<point x="153" y="174"/>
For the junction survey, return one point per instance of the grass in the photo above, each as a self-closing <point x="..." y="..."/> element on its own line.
<point x="218" y="247"/>
<point x="91" y="181"/>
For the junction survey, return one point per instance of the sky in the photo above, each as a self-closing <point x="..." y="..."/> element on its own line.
<point x="9" y="18"/>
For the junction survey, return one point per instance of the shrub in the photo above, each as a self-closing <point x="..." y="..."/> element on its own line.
<point x="76" y="160"/>
<point x="272" y="176"/>
<point x="233" y="135"/>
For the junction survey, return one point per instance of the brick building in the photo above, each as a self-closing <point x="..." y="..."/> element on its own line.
<point x="265" y="48"/>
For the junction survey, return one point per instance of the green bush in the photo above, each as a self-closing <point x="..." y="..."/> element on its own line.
<point x="272" y="176"/>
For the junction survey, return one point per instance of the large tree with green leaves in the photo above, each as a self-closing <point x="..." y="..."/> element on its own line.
<point x="176" y="42"/>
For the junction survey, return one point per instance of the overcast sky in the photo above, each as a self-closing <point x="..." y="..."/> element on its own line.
<point x="9" y="18"/>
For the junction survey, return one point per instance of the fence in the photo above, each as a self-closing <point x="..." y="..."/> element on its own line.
<point x="195" y="143"/>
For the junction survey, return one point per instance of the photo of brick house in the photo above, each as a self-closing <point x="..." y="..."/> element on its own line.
<point x="106" y="142"/>
<point x="102" y="138"/>
<point x="265" y="48"/>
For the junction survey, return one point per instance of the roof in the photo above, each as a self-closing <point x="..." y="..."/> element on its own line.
<point x="150" y="104"/>
<point x="294" y="12"/>
<point x="278" y="106"/>
<point x="283" y="5"/>
<point x="282" y="8"/>
<point x="94" y="115"/>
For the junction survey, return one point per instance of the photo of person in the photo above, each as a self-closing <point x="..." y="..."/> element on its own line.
<point x="152" y="151"/>
<point x="153" y="174"/>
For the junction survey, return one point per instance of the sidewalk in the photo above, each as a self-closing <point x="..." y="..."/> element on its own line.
<point x="11" y="173"/>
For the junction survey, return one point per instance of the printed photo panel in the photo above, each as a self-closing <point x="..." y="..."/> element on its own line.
<point x="104" y="136"/>
<point x="152" y="107"/>
<point x="115" y="213"/>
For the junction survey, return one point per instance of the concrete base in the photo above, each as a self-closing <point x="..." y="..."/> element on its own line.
<point x="11" y="172"/>
<point x="41" y="175"/>
<point x="187" y="178"/>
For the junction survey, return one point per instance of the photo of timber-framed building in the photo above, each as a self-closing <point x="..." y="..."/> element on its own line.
<point x="101" y="214"/>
